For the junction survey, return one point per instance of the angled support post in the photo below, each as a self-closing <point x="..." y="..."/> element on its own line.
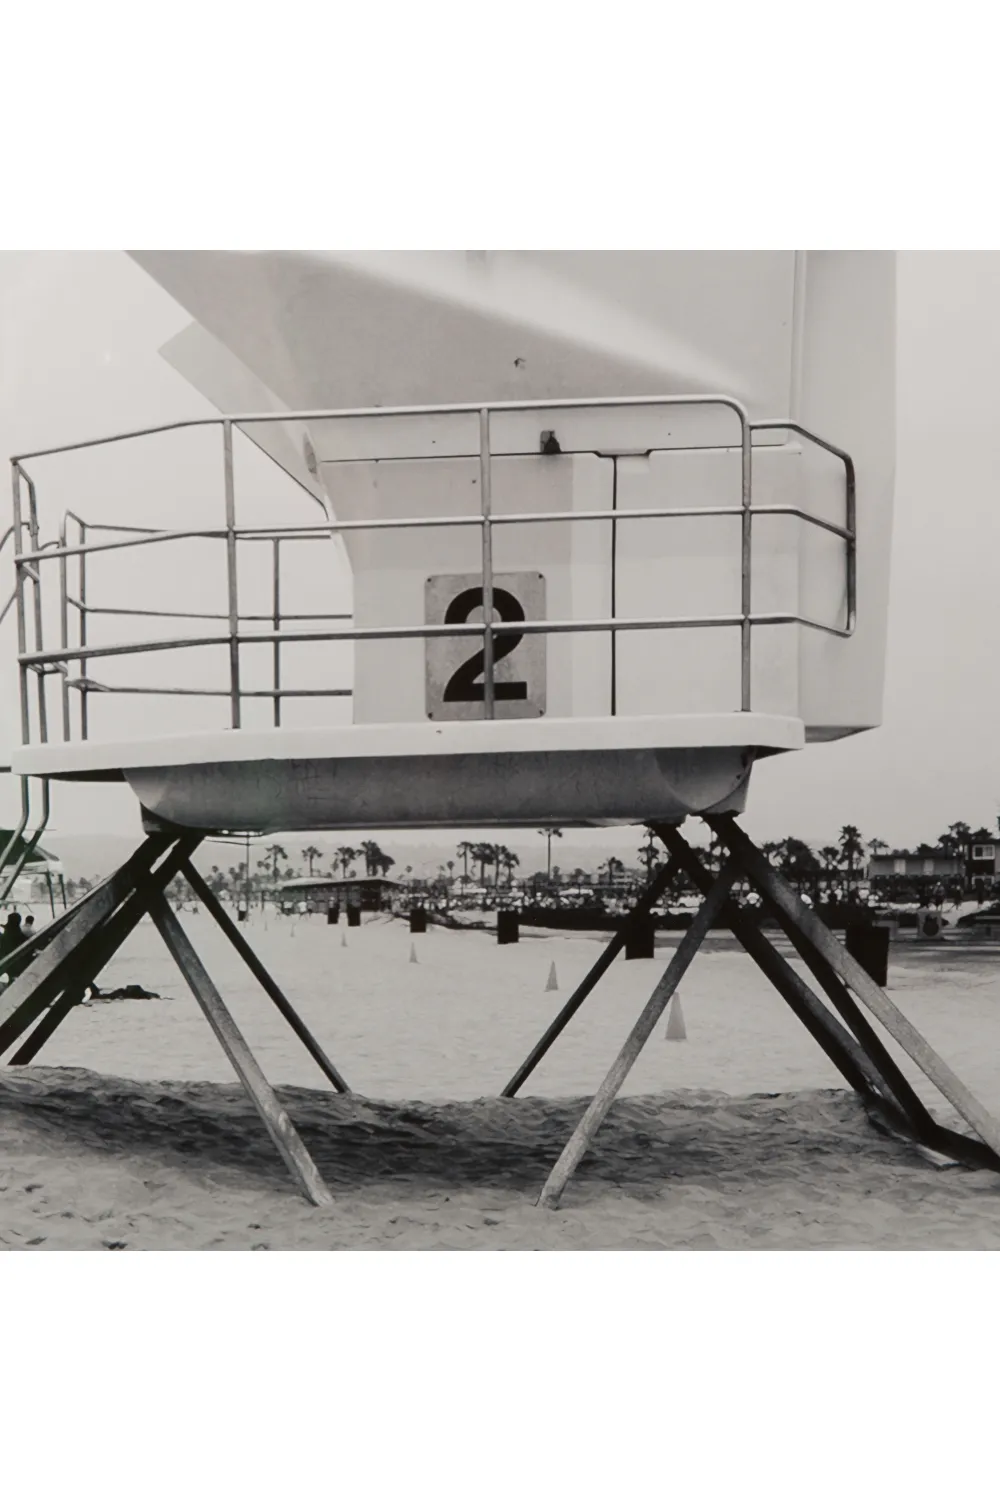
<point x="821" y="941"/>
<point x="53" y="966"/>
<point x="32" y="946"/>
<point x="279" y="1127"/>
<point x="859" y="1068"/>
<point x="97" y="950"/>
<point x="607" y="957"/>
<point x="685" y="951"/>
<point x="257" y="969"/>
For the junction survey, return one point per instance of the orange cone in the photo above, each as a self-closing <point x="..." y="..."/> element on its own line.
<point x="676" y="1030"/>
<point x="413" y="953"/>
<point x="552" y="982"/>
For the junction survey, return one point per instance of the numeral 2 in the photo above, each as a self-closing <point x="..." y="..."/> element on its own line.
<point x="463" y="686"/>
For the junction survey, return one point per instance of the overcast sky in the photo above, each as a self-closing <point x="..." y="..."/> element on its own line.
<point x="79" y="335"/>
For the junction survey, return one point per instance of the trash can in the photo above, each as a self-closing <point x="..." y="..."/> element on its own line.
<point x="332" y="914"/>
<point x="640" y="942"/>
<point x="354" y="916"/>
<point x="870" y="946"/>
<point x="508" y="930"/>
<point x="418" y="919"/>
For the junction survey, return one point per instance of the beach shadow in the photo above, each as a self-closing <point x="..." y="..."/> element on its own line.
<point x="645" y="1144"/>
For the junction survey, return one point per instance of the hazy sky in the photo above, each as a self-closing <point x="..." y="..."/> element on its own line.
<point x="79" y="335"/>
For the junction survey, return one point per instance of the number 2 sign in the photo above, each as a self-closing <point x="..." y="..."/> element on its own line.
<point x="455" y="687"/>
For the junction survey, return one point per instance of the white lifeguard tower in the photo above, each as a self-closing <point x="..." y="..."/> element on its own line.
<point x="597" y="531"/>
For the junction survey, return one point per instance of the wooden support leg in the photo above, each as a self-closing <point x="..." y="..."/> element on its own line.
<point x="276" y="1121"/>
<point x="607" y="957"/>
<point x="97" y="950"/>
<point x="639" y="1035"/>
<point x="843" y="1050"/>
<point x="52" y="968"/>
<point x="822" y="941"/>
<point x="853" y="1017"/>
<point x="32" y="946"/>
<point x="256" y="968"/>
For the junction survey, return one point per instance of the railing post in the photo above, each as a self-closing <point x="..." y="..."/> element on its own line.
<point x="35" y="573"/>
<point x="276" y="615"/>
<point x="231" y="569"/>
<point x="486" y="500"/>
<point x="22" y="628"/>
<point x="64" y="630"/>
<point x="84" y="690"/>
<point x="746" y="558"/>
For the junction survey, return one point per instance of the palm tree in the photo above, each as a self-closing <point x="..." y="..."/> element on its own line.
<point x="483" y="856"/>
<point x="955" y="840"/>
<point x="549" y="834"/>
<point x="649" y="853"/>
<point x="343" y="857"/>
<point x="274" y="852"/>
<point x="373" y="856"/>
<point x="311" y="855"/>
<point x="851" y="848"/>
<point x="464" y="851"/>
<point x="509" y="860"/>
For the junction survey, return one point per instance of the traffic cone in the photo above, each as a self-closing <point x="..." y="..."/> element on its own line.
<point x="413" y="953"/>
<point x="552" y="982"/>
<point x="343" y="937"/>
<point x="676" y="1030"/>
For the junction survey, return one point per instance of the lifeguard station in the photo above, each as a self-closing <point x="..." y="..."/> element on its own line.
<point x="596" y="532"/>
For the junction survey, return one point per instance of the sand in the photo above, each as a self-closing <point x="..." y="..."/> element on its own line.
<point x="739" y="1137"/>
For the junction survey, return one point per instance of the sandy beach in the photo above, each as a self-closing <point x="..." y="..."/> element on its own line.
<point x="130" y="1132"/>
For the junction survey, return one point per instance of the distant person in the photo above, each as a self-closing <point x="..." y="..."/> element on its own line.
<point x="11" y="938"/>
<point x="242" y="909"/>
<point x="12" y="935"/>
<point x="28" y="926"/>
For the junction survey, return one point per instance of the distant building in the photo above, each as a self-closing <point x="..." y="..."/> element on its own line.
<point x="906" y="864"/>
<point x="370" y="892"/>
<point x="984" y="861"/>
<point x="979" y="862"/>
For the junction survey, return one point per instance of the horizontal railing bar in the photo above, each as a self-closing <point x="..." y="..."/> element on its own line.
<point x="598" y="403"/>
<point x="316" y="531"/>
<point x="423" y="632"/>
<point x="92" y="685"/>
<point x="688" y="512"/>
<point x="190" y="614"/>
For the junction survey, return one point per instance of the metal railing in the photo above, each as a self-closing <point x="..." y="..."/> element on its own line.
<point x="30" y="559"/>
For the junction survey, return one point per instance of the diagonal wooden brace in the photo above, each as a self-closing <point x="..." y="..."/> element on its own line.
<point x="607" y="957"/>
<point x="97" y="950"/>
<point x="273" y="1114"/>
<point x="821" y="940"/>
<point x="33" y="945"/>
<point x="253" y="963"/>
<point x="53" y="967"/>
<point x="846" y="1053"/>
<point x="685" y="951"/>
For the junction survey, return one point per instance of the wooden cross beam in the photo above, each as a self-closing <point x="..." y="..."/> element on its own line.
<point x="607" y="957"/>
<point x="266" y="1102"/>
<point x="97" y="949"/>
<point x="253" y="963"/>
<point x="865" y="1072"/>
<point x="820" y="940"/>
<point x="685" y="951"/>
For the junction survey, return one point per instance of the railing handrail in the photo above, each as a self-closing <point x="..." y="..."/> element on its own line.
<point x="461" y="408"/>
<point x="28" y="562"/>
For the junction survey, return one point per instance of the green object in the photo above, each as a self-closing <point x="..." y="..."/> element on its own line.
<point x="38" y="859"/>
